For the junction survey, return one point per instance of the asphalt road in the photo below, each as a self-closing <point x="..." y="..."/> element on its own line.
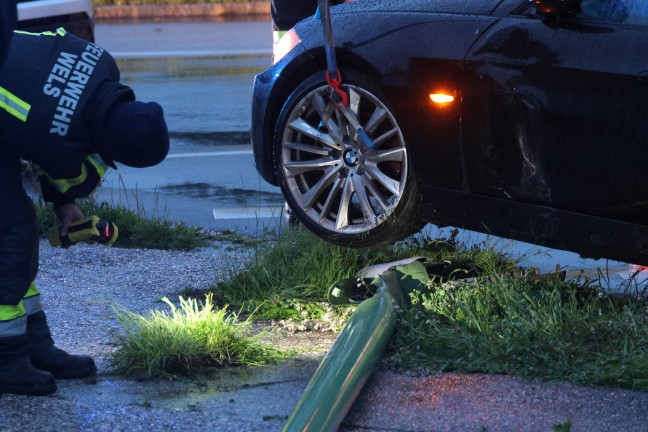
<point x="202" y="74"/>
<point x="186" y="39"/>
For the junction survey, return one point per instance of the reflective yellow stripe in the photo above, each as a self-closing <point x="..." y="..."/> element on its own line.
<point x="59" y="32"/>
<point x="14" y="105"/>
<point x="46" y="33"/>
<point x="32" y="291"/>
<point x="12" y="317"/>
<point x="64" y="185"/>
<point x="11" y="312"/>
<point x="99" y="164"/>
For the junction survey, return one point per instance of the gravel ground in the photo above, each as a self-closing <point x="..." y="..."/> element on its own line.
<point x="477" y="402"/>
<point x="80" y="284"/>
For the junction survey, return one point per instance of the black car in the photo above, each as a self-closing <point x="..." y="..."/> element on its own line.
<point x="522" y="119"/>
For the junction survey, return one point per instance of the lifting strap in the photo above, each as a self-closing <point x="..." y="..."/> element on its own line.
<point x="333" y="75"/>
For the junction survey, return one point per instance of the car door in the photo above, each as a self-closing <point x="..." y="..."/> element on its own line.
<point x="554" y="113"/>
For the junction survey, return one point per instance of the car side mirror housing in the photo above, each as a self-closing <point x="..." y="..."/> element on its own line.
<point x="557" y="8"/>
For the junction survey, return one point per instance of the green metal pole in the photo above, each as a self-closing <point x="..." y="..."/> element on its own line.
<point x="345" y="369"/>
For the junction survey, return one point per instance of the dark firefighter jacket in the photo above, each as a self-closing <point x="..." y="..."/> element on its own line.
<point x="55" y="92"/>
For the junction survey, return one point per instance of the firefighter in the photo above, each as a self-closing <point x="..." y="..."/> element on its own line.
<point x="62" y="108"/>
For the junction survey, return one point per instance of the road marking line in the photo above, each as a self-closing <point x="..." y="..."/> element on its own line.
<point x="247" y="212"/>
<point x="181" y="54"/>
<point x="204" y="154"/>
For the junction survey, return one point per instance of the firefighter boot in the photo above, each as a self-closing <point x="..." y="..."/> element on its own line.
<point x="17" y="375"/>
<point x="45" y="356"/>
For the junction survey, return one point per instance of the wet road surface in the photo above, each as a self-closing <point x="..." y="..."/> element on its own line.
<point x="202" y="74"/>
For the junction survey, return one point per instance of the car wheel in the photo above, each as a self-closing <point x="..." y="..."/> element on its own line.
<point x="341" y="189"/>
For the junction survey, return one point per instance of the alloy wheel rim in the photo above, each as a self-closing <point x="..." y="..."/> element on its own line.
<point x="338" y="182"/>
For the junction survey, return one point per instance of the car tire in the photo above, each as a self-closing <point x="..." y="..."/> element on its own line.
<point x="341" y="189"/>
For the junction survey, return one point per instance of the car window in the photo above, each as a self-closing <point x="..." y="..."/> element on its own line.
<point x="617" y="11"/>
<point x="611" y="11"/>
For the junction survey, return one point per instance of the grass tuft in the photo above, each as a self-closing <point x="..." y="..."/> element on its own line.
<point x="188" y="339"/>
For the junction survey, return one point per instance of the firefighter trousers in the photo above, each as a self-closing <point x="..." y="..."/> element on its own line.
<point x="18" y="249"/>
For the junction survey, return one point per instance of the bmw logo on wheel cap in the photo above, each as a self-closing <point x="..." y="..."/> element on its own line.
<point x="350" y="157"/>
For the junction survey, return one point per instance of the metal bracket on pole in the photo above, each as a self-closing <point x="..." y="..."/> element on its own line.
<point x="334" y="77"/>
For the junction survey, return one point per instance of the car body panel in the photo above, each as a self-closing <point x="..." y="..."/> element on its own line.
<point x="366" y="50"/>
<point x="574" y="108"/>
<point x="589" y="236"/>
<point x="544" y="140"/>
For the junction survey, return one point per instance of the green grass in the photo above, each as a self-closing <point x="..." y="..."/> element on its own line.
<point x="188" y="339"/>
<point x="289" y="279"/>
<point x="553" y="330"/>
<point x="543" y="328"/>
<point x="521" y="326"/>
<point x="284" y="280"/>
<point x="562" y="427"/>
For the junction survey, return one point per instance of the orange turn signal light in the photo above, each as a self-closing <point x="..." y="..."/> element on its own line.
<point x="441" y="98"/>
